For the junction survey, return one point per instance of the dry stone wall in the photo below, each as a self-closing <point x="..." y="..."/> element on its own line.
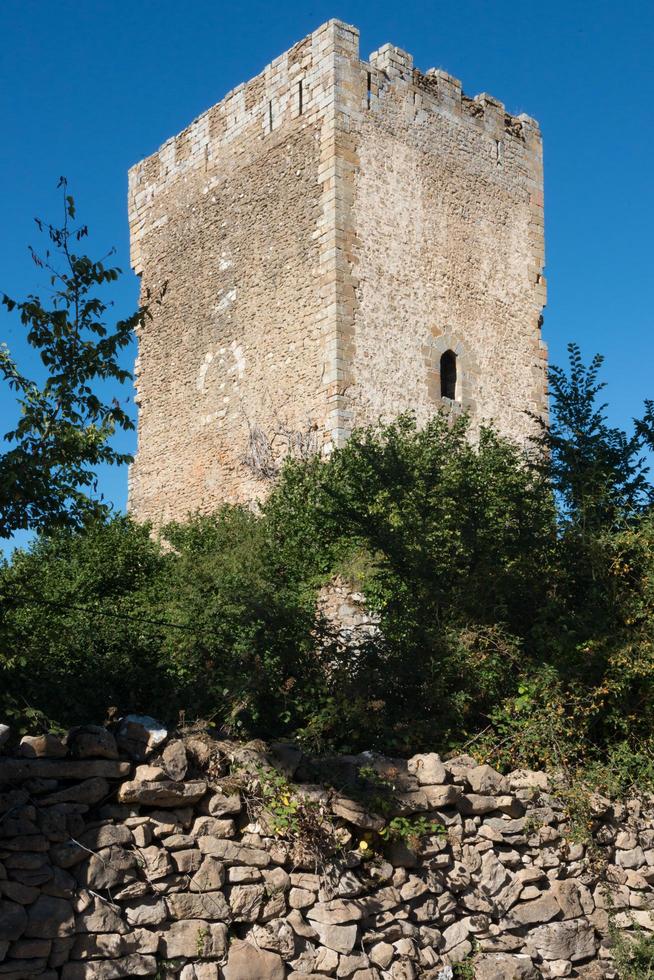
<point x="310" y="246"/>
<point x="137" y="854"/>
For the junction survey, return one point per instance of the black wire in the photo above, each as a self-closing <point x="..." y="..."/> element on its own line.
<point x="38" y="601"/>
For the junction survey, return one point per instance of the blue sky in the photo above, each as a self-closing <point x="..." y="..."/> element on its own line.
<point x="87" y="88"/>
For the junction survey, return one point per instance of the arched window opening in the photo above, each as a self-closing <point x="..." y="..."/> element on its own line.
<point x="448" y="375"/>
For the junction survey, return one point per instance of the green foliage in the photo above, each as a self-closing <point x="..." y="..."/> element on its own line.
<point x="411" y="830"/>
<point x="106" y="616"/>
<point x="633" y="956"/>
<point x="282" y="806"/>
<point x="597" y="469"/>
<point x="77" y="628"/>
<point x="522" y="632"/>
<point x="64" y="428"/>
<point x="465" y="970"/>
<point x="297" y="818"/>
<point x="457" y="537"/>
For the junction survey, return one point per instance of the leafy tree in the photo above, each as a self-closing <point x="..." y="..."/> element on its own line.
<point x="597" y="470"/>
<point x="455" y="540"/>
<point x="502" y="625"/>
<point x="65" y="425"/>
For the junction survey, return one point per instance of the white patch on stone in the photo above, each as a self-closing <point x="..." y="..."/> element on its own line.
<point x="204" y="367"/>
<point x="225" y="263"/>
<point x="239" y="360"/>
<point x="226" y="301"/>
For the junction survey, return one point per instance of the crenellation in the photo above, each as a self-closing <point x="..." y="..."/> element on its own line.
<point x="327" y="231"/>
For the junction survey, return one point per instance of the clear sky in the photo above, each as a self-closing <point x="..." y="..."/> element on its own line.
<point x="89" y="87"/>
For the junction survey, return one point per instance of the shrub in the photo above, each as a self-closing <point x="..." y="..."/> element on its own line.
<point x="526" y="637"/>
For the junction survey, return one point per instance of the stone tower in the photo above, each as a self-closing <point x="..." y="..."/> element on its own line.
<point x="341" y="240"/>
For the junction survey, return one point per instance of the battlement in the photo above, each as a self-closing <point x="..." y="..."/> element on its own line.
<point x="296" y="87"/>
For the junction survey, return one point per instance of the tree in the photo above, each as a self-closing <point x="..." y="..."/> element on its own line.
<point x="597" y="470"/>
<point x="65" y="426"/>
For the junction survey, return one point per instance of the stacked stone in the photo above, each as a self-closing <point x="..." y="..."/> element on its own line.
<point x="137" y="855"/>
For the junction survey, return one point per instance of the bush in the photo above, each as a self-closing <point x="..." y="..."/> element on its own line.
<point x="502" y="627"/>
<point x="108" y="617"/>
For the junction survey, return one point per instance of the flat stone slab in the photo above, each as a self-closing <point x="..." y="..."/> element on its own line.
<point x="16" y="770"/>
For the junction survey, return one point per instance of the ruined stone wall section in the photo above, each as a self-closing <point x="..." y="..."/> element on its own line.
<point x="131" y="853"/>
<point x="448" y="208"/>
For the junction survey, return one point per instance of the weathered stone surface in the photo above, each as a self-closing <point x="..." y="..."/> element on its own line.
<point x="428" y="769"/>
<point x="474" y="804"/>
<point x="187" y="861"/>
<point x="224" y="804"/>
<point x="573" y="940"/>
<point x="92" y="742"/>
<point x="109" y="945"/>
<point x="13" y="920"/>
<point x="300" y="926"/>
<point x="529" y="913"/>
<point x="17" y="892"/>
<point x="245" y="962"/>
<point x="149" y="911"/>
<point x="42" y="747"/>
<point x="233" y="853"/>
<point x="213" y="827"/>
<point x="300" y="898"/>
<point x="109" y="867"/>
<point x="455" y="934"/>
<point x="441" y="796"/>
<point x="68" y="854"/>
<point x="26" y="949"/>
<point x="13" y="969"/>
<point x="501" y="966"/>
<point x="246" y="902"/>
<point x="528" y="779"/>
<point x="211" y="906"/>
<point x="100" y="916"/>
<point x="338" y="937"/>
<point x="88" y="792"/>
<point x="105" y="835"/>
<point x="567" y="894"/>
<point x="133" y="965"/>
<point x="19" y="770"/>
<point x="335" y="912"/>
<point x="381" y="954"/>
<point x="632" y="858"/>
<point x="486" y="781"/>
<point x="193" y="938"/>
<point x="147" y="773"/>
<point x="201" y="971"/>
<point x="210" y="876"/>
<point x="163" y="793"/>
<point x="276" y="935"/>
<point x="138" y="735"/>
<point x="174" y="760"/>
<point x="156" y="862"/>
<point x="356" y="814"/>
<point x="50" y="917"/>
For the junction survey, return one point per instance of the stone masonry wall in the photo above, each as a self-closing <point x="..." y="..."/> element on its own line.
<point x="132" y="853"/>
<point x="229" y="215"/>
<point x="310" y="246"/>
<point x="449" y="255"/>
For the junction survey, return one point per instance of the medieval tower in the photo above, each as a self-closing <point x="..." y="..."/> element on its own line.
<point x="341" y="240"/>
